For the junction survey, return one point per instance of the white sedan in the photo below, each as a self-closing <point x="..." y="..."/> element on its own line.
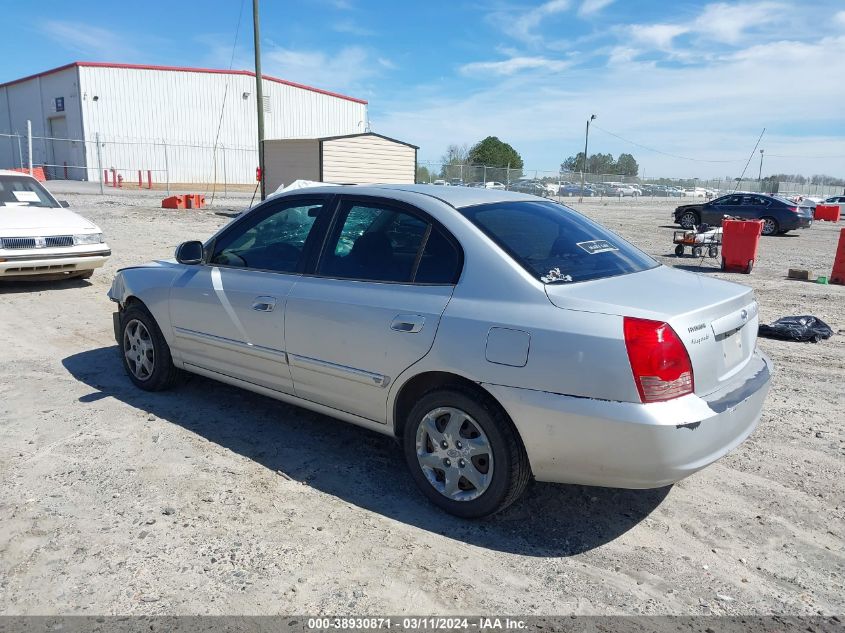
<point x="40" y="237"/>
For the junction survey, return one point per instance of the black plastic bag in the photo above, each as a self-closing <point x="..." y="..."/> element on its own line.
<point x="797" y="328"/>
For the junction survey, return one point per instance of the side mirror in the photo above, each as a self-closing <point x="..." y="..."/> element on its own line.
<point x="64" y="203"/>
<point x="189" y="253"/>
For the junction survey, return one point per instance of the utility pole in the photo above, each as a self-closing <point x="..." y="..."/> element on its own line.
<point x="584" y="166"/>
<point x="259" y="95"/>
<point x="760" y="173"/>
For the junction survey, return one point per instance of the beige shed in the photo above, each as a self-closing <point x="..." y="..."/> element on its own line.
<point x="351" y="159"/>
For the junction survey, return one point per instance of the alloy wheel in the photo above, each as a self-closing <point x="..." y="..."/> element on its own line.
<point x="138" y="350"/>
<point x="454" y="454"/>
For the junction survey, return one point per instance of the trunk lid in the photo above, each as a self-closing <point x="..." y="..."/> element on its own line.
<point x="716" y="320"/>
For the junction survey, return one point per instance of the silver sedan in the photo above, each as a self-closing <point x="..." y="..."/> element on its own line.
<point x="498" y="335"/>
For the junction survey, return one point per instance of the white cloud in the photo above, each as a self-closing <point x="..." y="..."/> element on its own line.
<point x="346" y="69"/>
<point x="728" y="23"/>
<point x="523" y="27"/>
<point x="513" y="65"/>
<point x="589" y="7"/>
<point x="91" y="41"/>
<point x="712" y="111"/>
<point x="351" y="27"/>
<point x="658" y="36"/>
<point x="840" y="18"/>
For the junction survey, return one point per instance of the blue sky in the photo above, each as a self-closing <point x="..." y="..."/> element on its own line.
<point x="692" y="80"/>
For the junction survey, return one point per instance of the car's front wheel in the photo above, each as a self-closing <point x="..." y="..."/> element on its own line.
<point x="464" y="453"/>
<point x="145" y="353"/>
<point x="688" y="220"/>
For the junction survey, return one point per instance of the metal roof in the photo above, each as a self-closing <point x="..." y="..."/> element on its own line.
<point x="184" y="69"/>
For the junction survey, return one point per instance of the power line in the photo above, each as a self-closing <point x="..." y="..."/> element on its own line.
<point x="657" y="151"/>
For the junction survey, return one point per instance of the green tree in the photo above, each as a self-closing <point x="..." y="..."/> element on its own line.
<point x="573" y="163"/>
<point x="455" y="155"/>
<point x="626" y="165"/>
<point x="423" y="174"/>
<point x="494" y="153"/>
<point x="601" y="164"/>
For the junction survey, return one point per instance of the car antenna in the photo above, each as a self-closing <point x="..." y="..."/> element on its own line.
<point x="753" y="151"/>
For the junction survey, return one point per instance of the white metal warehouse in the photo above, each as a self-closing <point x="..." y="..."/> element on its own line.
<point x="179" y="124"/>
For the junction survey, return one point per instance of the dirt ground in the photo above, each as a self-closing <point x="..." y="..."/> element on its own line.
<point x="211" y="500"/>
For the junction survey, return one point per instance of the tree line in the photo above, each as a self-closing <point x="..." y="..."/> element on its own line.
<point x="625" y="165"/>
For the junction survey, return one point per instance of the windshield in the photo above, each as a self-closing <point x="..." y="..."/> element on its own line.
<point x="555" y="243"/>
<point x="23" y="191"/>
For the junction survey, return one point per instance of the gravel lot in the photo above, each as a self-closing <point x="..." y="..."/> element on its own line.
<point x="211" y="500"/>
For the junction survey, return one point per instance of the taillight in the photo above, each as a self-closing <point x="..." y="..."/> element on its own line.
<point x="659" y="360"/>
<point x="793" y="209"/>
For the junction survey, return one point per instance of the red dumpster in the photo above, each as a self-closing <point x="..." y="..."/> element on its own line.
<point x="739" y="244"/>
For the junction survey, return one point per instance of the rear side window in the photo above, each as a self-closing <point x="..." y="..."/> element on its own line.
<point x="375" y="242"/>
<point x="556" y="244"/>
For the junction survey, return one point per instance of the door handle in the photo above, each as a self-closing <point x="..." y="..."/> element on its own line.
<point x="409" y="323"/>
<point x="264" y="304"/>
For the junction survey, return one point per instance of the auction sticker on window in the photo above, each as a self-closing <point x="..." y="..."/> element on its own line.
<point x="597" y="246"/>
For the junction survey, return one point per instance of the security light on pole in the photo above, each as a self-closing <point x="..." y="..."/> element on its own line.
<point x="584" y="165"/>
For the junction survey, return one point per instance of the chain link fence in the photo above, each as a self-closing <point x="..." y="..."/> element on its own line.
<point x="129" y="162"/>
<point x="568" y="184"/>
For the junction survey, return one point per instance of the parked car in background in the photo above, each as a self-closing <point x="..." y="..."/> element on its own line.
<point x="491" y="184"/>
<point x="575" y="190"/>
<point x="778" y="214"/>
<point x="40" y="237"/>
<point x="628" y="190"/>
<point x="456" y="182"/>
<point x="836" y="201"/>
<point x="440" y="182"/>
<point x="529" y="186"/>
<point x="373" y="304"/>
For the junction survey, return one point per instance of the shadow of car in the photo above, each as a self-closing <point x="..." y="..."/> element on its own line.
<point x="364" y="468"/>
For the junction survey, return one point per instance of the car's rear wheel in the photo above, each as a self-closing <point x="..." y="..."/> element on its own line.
<point x="688" y="220"/>
<point x="464" y="454"/>
<point x="770" y="226"/>
<point x="145" y="353"/>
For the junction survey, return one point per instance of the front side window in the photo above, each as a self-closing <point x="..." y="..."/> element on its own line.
<point x="274" y="241"/>
<point x="555" y="244"/>
<point x="375" y="242"/>
<point x="22" y="191"/>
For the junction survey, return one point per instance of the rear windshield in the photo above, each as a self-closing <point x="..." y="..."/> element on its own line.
<point x="22" y="191"/>
<point x="555" y="243"/>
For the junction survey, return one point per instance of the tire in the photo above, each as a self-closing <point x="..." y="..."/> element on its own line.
<point x="713" y="252"/>
<point x="697" y="251"/>
<point x="749" y="267"/>
<point x="480" y="425"/>
<point x="770" y="226"/>
<point x="679" y="250"/>
<point x="688" y="220"/>
<point x="144" y="352"/>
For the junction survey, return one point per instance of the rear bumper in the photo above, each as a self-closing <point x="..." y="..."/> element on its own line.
<point x="628" y="445"/>
<point x="40" y="264"/>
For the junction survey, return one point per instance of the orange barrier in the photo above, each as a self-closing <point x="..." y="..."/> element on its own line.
<point x="37" y="172"/>
<point x="838" y="274"/>
<point x="739" y="244"/>
<point x="829" y="212"/>
<point x="173" y="202"/>
<point x="194" y="201"/>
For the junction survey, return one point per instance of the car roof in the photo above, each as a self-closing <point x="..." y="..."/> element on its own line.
<point x="457" y="197"/>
